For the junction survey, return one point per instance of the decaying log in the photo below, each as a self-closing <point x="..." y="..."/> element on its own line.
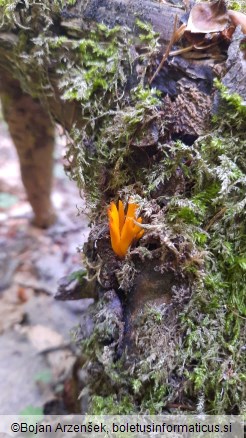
<point x="74" y="22"/>
<point x="124" y="13"/>
<point x="36" y="173"/>
<point x="139" y="299"/>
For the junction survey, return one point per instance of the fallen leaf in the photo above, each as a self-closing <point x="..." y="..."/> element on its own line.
<point x="61" y="363"/>
<point x="11" y="311"/>
<point x="43" y="338"/>
<point x="22" y="295"/>
<point x="238" y="19"/>
<point x="208" y="17"/>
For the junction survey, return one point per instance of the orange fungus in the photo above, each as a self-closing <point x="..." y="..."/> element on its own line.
<point x="123" y="229"/>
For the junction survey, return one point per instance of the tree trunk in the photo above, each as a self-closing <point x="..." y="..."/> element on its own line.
<point x="161" y="332"/>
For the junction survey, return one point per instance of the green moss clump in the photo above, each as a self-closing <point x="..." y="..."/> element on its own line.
<point x="110" y="405"/>
<point x="204" y="362"/>
<point x="215" y="317"/>
<point x="237" y="5"/>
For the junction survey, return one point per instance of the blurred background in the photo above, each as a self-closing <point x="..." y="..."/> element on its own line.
<point x="38" y="359"/>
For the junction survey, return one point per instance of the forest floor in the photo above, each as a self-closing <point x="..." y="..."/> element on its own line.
<point x="37" y="356"/>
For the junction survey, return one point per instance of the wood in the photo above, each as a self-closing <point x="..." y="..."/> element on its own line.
<point x="37" y="173"/>
<point x="124" y="13"/>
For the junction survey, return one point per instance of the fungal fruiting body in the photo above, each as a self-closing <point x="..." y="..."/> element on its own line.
<point x="123" y="227"/>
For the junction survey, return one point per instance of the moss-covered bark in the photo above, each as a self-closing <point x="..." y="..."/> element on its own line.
<point x="170" y="319"/>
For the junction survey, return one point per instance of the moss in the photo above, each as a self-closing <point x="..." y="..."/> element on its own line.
<point x="205" y="361"/>
<point x="237" y="5"/>
<point x="110" y="405"/>
<point x="214" y="320"/>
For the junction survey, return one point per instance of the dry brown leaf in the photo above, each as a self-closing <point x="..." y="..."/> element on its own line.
<point x="61" y="362"/>
<point x="43" y="338"/>
<point x="208" y="17"/>
<point x="22" y="294"/>
<point x="238" y="19"/>
<point x="11" y="311"/>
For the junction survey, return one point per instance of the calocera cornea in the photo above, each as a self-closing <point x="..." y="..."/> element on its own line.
<point x="124" y="228"/>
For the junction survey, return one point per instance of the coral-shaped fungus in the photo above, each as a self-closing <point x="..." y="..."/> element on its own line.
<point x="123" y="228"/>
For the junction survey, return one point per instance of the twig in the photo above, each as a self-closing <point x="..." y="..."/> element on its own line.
<point x="176" y="35"/>
<point x="217" y="216"/>
<point x="56" y="348"/>
<point x="180" y="406"/>
<point x="237" y="314"/>
<point x="179" y="51"/>
<point x="198" y="46"/>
